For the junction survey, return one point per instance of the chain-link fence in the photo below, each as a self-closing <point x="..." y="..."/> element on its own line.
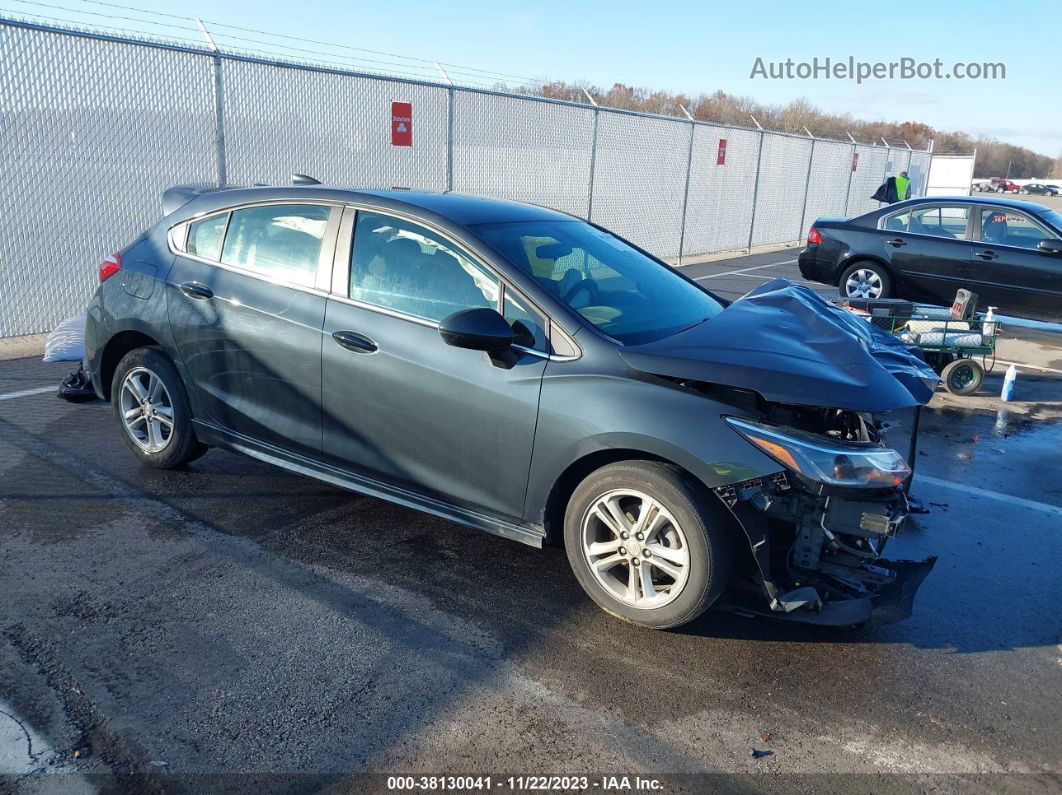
<point x="95" y="127"/>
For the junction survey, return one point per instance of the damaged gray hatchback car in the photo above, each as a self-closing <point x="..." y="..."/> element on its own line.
<point x="530" y="374"/>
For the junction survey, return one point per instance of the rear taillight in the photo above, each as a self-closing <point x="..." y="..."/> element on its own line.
<point x="110" y="266"/>
<point x="814" y="238"/>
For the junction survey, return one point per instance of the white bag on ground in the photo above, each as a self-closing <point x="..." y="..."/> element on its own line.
<point x="66" y="343"/>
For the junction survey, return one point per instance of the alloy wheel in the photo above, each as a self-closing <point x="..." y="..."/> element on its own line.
<point x="635" y="548"/>
<point x="146" y="410"/>
<point x="863" y="283"/>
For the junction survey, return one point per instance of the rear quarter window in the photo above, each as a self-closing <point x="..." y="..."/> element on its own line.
<point x="206" y="235"/>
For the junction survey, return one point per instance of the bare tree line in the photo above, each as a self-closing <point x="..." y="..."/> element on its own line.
<point x="994" y="158"/>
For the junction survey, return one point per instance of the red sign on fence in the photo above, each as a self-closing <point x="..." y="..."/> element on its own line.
<point x="401" y="124"/>
<point x="720" y="158"/>
<point x="855" y="160"/>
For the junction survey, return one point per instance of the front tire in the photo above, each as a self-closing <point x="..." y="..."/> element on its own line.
<point x="865" y="279"/>
<point x="151" y="407"/>
<point x="647" y="543"/>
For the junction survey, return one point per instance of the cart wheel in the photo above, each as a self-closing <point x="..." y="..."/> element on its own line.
<point x="963" y="377"/>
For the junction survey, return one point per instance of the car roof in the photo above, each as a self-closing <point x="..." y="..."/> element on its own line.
<point x="456" y="208"/>
<point x="1029" y="207"/>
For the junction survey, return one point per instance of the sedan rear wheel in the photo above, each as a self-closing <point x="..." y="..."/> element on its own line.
<point x="151" y="406"/>
<point x="865" y="280"/>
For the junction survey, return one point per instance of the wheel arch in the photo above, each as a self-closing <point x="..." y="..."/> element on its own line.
<point x="117" y="347"/>
<point x="577" y="471"/>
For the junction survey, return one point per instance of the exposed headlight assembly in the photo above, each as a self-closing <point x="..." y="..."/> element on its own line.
<point x="835" y="463"/>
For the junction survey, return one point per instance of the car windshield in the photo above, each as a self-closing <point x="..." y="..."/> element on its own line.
<point x="626" y="294"/>
<point x="1054" y="218"/>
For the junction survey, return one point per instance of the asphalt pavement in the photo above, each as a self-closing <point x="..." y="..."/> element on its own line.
<point x="231" y="626"/>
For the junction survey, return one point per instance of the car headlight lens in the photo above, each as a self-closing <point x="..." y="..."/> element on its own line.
<point x="826" y="461"/>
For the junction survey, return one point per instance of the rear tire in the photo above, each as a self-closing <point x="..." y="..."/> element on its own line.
<point x="151" y="408"/>
<point x="963" y="376"/>
<point x="684" y="555"/>
<point x="865" y="279"/>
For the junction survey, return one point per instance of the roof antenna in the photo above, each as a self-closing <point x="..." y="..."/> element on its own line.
<point x="302" y="179"/>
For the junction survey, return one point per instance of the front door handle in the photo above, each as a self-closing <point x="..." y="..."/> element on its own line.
<point x="353" y="341"/>
<point x="987" y="254"/>
<point x="897" y="241"/>
<point x="197" y="290"/>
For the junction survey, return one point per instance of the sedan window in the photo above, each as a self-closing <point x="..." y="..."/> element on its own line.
<point x="1010" y="228"/>
<point x="281" y="241"/>
<point x="205" y="236"/>
<point x="940" y="221"/>
<point x="402" y="266"/>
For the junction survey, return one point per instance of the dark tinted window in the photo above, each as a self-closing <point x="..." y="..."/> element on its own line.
<point x="399" y="265"/>
<point x="205" y="236"/>
<point x="629" y="296"/>
<point x="281" y="241"/>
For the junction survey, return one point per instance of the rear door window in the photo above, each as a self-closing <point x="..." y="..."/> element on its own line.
<point x="935" y="220"/>
<point x="279" y="241"/>
<point x="940" y="221"/>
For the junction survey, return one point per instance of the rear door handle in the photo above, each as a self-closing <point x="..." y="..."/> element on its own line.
<point x="987" y="254"/>
<point x="353" y="341"/>
<point x="897" y="241"/>
<point x="197" y="290"/>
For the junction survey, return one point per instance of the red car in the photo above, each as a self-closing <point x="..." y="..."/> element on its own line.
<point x="1000" y="185"/>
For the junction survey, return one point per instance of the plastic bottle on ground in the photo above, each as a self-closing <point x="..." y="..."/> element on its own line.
<point x="1008" y="384"/>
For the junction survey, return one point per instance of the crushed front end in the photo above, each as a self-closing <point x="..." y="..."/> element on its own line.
<point x="808" y="384"/>
<point x="818" y="528"/>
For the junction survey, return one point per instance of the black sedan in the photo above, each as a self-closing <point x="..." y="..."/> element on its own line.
<point x="1008" y="252"/>
<point x="1040" y="189"/>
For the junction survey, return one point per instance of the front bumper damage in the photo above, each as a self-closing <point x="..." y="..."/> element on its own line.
<point x="817" y="553"/>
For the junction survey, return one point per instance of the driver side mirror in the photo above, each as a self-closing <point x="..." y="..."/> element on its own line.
<point x="478" y="330"/>
<point x="1050" y="246"/>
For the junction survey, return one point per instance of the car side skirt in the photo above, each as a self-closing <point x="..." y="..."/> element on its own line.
<point x="219" y="437"/>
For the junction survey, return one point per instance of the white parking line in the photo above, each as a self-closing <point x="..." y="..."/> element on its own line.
<point x="27" y="392"/>
<point x="743" y="270"/>
<point x="1031" y="366"/>
<point x="990" y="495"/>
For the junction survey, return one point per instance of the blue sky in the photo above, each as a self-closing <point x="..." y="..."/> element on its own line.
<point x="699" y="47"/>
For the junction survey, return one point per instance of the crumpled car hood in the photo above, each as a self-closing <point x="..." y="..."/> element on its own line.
<point x="791" y="346"/>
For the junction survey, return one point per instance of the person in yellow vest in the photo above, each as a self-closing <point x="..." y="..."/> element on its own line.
<point x="903" y="187"/>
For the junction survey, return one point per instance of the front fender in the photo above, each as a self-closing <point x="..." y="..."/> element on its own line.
<point x="646" y="416"/>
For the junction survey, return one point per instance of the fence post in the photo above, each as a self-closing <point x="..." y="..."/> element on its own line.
<point x="807" y="190"/>
<point x="450" y="139"/>
<point x="593" y="165"/>
<point x="851" y="171"/>
<point x="219" y="107"/>
<point x="219" y="121"/>
<point x="686" y="193"/>
<point x="756" y="188"/>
